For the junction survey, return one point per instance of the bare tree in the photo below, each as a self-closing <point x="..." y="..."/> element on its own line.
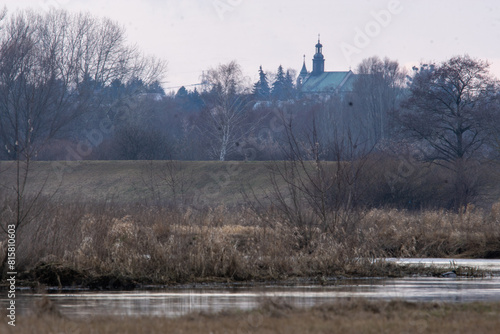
<point x="226" y="98"/>
<point x="450" y="108"/>
<point x="52" y="67"/>
<point x="377" y="91"/>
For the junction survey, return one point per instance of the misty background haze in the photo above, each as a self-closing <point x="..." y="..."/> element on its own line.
<point x="193" y="35"/>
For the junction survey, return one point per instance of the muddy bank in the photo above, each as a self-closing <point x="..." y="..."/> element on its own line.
<point x="58" y="275"/>
<point x="63" y="276"/>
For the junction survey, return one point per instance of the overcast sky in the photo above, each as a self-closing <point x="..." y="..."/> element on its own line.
<point x="194" y="35"/>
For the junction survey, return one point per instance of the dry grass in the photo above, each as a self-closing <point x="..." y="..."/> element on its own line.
<point x="470" y="233"/>
<point x="348" y="316"/>
<point x="113" y="246"/>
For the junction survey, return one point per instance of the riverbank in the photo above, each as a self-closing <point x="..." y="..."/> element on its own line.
<point x="109" y="246"/>
<point x="57" y="277"/>
<point x="345" y="316"/>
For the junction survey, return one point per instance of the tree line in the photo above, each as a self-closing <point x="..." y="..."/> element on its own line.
<point x="71" y="88"/>
<point x="282" y="88"/>
<point x="58" y="75"/>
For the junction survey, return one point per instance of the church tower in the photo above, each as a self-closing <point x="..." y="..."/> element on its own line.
<point x="303" y="73"/>
<point x="318" y="60"/>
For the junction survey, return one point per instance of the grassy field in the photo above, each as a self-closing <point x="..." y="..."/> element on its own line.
<point x="210" y="183"/>
<point x="351" y="316"/>
<point x="141" y="181"/>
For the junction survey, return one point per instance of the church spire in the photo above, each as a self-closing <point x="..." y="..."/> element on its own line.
<point x="318" y="60"/>
<point x="303" y="71"/>
<point x="303" y="74"/>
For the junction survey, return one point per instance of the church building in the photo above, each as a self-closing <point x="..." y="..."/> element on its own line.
<point x="319" y="82"/>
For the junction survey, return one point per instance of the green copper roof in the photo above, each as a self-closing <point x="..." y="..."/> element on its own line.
<point x="328" y="82"/>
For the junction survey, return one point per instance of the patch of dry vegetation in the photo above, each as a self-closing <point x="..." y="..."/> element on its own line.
<point x="113" y="246"/>
<point x="345" y="316"/>
<point x="470" y="233"/>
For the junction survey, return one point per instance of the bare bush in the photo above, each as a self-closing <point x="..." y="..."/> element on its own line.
<point x="316" y="195"/>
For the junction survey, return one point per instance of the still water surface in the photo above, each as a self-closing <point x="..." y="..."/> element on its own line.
<point x="176" y="302"/>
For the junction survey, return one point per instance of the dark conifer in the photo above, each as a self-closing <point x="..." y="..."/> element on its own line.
<point x="278" y="91"/>
<point x="261" y="90"/>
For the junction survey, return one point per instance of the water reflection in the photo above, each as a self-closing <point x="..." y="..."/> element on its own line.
<point x="182" y="301"/>
<point x="176" y="302"/>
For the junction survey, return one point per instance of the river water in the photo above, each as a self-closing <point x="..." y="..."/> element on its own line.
<point x="179" y="301"/>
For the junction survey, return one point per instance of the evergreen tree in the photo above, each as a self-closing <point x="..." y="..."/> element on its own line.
<point x="116" y="89"/>
<point x="278" y="91"/>
<point x="136" y="86"/>
<point x="289" y="89"/>
<point x="182" y="98"/>
<point x="261" y="90"/>
<point x="195" y="100"/>
<point x="156" y="88"/>
<point x="182" y="93"/>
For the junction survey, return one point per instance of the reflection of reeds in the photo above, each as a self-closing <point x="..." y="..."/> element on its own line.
<point x="172" y="245"/>
<point x="45" y="307"/>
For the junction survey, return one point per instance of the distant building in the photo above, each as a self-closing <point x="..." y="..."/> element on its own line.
<point x="321" y="83"/>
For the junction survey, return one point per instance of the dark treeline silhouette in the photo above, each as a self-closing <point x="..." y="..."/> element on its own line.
<point x="63" y="76"/>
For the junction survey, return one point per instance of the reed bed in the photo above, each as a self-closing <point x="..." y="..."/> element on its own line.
<point x="79" y="243"/>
